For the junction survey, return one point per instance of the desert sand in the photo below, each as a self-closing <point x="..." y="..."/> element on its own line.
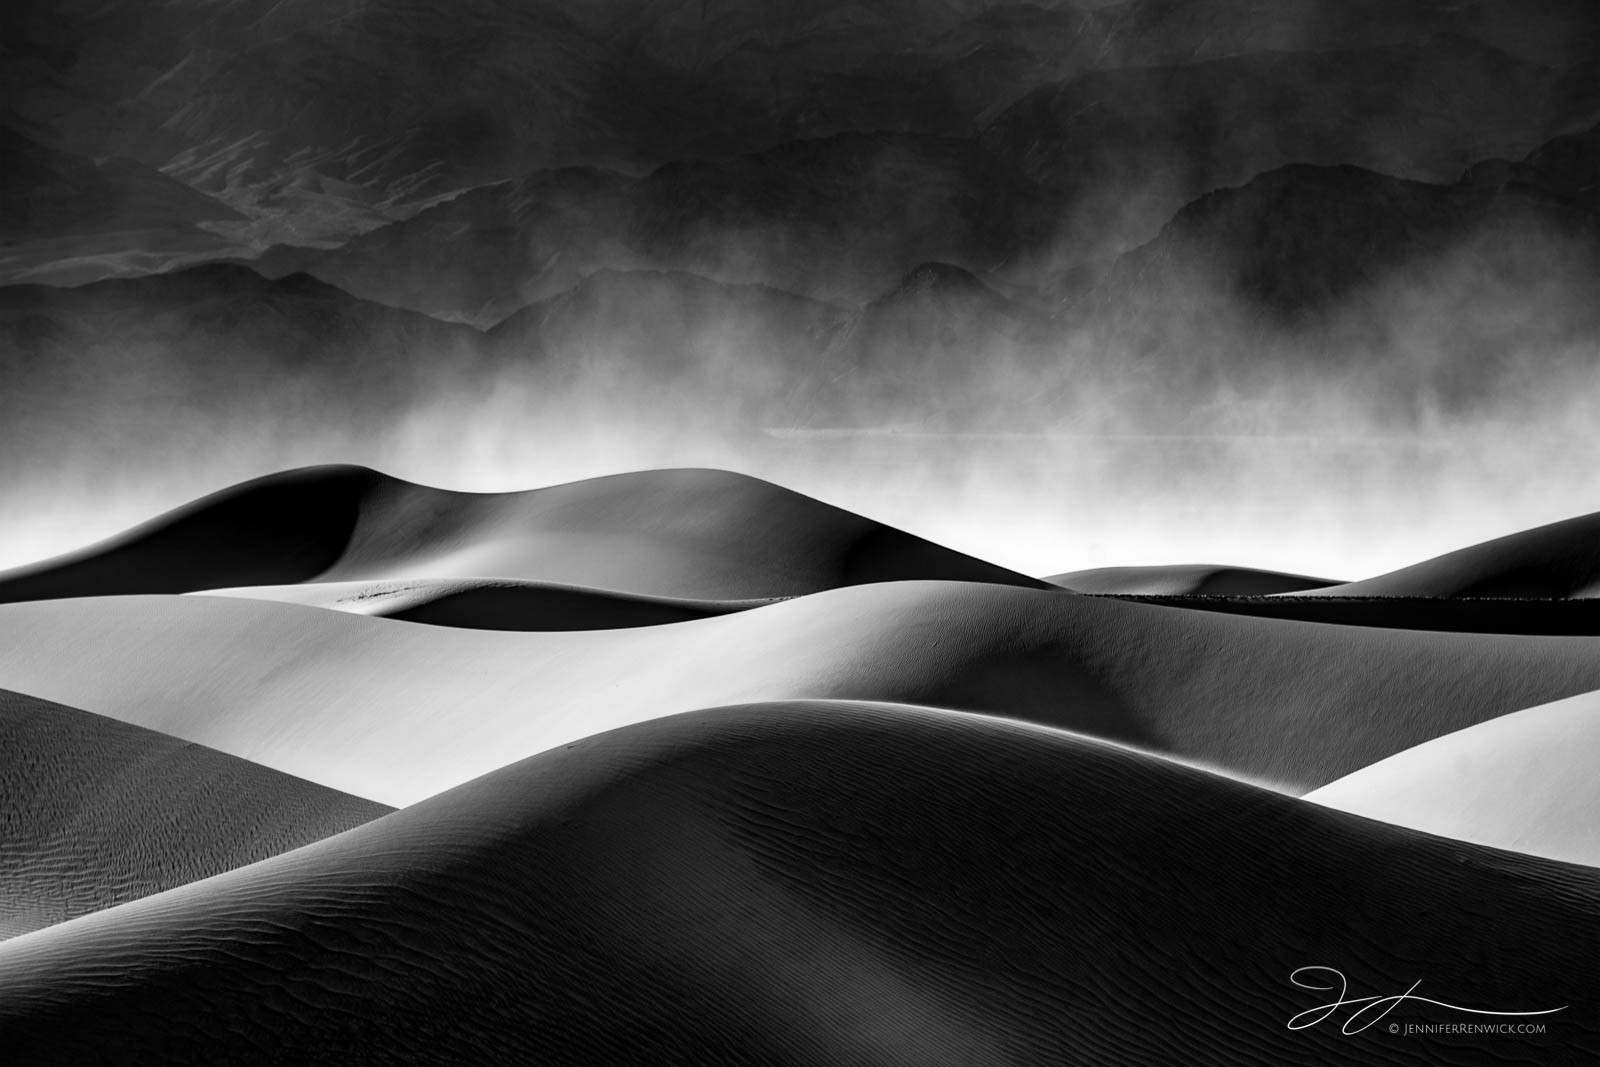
<point x="815" y="883"/>
<point x="1561" y="559"/>
<point x="674" y="533"/>
<point x="1524" y="781"/>
<point x="98" y="812"/>
<point x="493" y="603"/>
<point x="781" y="785"/>
<point x="396" y="712"/>
<point x="1187" y="580"/>
<point x="471" y="679"/>
<point x="1558" y="617"/>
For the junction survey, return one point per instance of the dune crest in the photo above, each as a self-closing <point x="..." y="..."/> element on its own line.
<point x="398" y="712"/>
<point x="813" y="884"/>
<point x="694" y="534"/>
<point x="286" y="527"/>
<point x="1525" y="781"/>
<point x="1187" y="579"/>
<point x="98" y="812"/>
<point x="1576" y="617"/>
<point x="1558" y="560"/>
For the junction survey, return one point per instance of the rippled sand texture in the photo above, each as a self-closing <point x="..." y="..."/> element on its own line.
<point x="693" y="769"/>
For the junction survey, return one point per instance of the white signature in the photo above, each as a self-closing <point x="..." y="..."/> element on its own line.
<point x="1372" y="1009"/>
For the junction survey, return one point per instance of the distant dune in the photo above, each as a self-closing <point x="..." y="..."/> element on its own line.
<point x="1197" y="579"/>
<point x="1525" y="781"/>
<point x="697" y="534"/>
<point x="95" y="812"/>
<point x="397" y="712"/>
<point x="282" y="528"/>
<point x="1462" y="615"/>
<point x="1561" y="559"/>
<point x="821" y="884"/>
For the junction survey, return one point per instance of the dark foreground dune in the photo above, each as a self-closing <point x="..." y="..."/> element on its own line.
<point x="1186" y="579"/>
<point x="95" y="812"/>
<point x="398" y="712"/>
<point x="825" y="884"/>
<point x="696" y="534"/>
<point x="493" y="604"/>
<point x="1561" y="559"/>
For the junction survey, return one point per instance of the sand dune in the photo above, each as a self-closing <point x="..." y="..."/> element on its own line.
<point x="820" y="884"/>
<point x="1525" y="781"/>
<point x="285" y="527"/>
<point x="1192" y="579"/>
<point x="1561" y="559"/>
<point x="95" y="812"/>
<point x="492" y="603"/>
<point x="398" y="712"/>
<point x="696" y="534"/>
<point x="1480" y="615"/>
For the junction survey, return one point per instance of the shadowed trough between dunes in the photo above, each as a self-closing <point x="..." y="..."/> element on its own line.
<point x="493" y="603"/>
<point x="397" y="712"/>
<point x="95" y="812"/>
<point x="811" y="883"/>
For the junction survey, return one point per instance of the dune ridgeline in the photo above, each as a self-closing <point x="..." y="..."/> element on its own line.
<point x="680" y="766"/>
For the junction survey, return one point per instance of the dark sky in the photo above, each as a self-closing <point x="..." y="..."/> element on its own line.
<point x="1063" y="284"/>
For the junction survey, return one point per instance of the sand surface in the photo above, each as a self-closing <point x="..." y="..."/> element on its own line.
<point x="818" y="884"/>
<point x="698" y="534"/>
<point x="396" y="711"/>
<point x="1200" y="579"/>
<point x="95" y="812"/>
<point x="1571" y="617"/>
<point x="693" y="769"/>
<point x="1525" y="781"/>
<point x="1561" y="559"/>
<point x="493" y="603"/>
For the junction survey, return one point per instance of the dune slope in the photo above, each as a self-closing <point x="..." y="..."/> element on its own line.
<point x="397" y="712"/>
<point x="1561" y="559"/>
<point x="817" y="884"/>
<point x="285" y="527"/>
<point x="697" y="534"/>
<point x="1186" y="579"/>
<point x="1526" y="781"/>
<point x="1482" y="615"/>
<point x="95" y="812"/>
